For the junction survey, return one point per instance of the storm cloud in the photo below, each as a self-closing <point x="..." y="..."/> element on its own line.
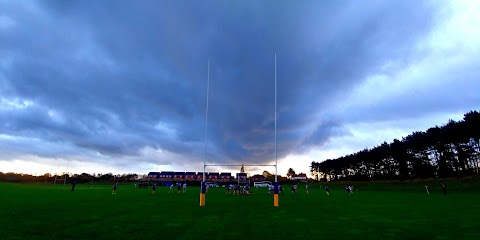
<point x="124" y="82"/>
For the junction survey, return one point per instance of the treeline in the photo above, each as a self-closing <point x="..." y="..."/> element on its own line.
<point x="79" y="178"/>
<point x="451" y="150"/>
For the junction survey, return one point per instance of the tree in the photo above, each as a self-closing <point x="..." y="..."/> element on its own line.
<point x="266" y="174"/>
<point x="441" y="151"/>
<point x="315" y="170"/>
<point x="290" y="173"/>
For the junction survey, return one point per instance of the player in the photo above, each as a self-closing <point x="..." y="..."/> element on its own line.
<point x="228" y="189"/>
<point x="306" y="188"/>
<point x="171" y="188"/>
<point x="184" y="187"/>
<point x="247" y="190"/>
<point x="115" y="188"/>
<point x="294" y="188"/>
<point x="73" y="185"/>
<point x="349" y="190"/>
<point x="444" y="189"/>
<point x="280" y="189"/>
<point x="154" y="189"/>
<point x="270" y="189"/>
<point x="327" y="190"/>
<point x="179" y="188"/>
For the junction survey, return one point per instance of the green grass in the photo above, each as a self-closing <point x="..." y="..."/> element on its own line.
<point x="377" y="211"/>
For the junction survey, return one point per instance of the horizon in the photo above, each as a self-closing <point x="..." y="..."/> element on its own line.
<point x="89" y="86"/>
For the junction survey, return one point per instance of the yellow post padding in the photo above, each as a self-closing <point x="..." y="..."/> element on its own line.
<point x="202" y="199"/>
<point x="275" y="200"/>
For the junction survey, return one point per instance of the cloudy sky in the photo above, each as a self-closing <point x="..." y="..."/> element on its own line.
<point x="120" y="86"/>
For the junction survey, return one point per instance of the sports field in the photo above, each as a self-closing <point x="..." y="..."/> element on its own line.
<point x="376" y="211"/>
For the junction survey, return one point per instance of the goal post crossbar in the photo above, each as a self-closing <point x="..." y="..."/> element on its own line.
<point x="64" y="179"/>
<point x="203" y="187"/>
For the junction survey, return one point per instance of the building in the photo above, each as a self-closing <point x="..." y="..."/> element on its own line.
<point x="166" y="176"/>
<point x="242" y="178"/>
<point x="282" y="178"/>
<point x="225" y="177"/>
<point x="190" y="176"/>
<point x="199" y="176"/>
<point x="301" y="177"/>
<point x="213" y="176"/>
<point x="258" y="178"/>
<point x="152" y="176"/>
<point x="178" y="176"/>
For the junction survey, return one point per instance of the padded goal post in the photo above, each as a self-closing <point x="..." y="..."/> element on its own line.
<point x="203" y="188"/>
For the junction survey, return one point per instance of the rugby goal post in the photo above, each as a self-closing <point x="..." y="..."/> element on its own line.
<point x="203" y="185"/>
<point x="61" y="176"/>
<point x="60" y="179"/>
<point x="204" y="180"/>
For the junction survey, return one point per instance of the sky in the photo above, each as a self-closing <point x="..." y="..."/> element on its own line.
<point x="121" y="86"/>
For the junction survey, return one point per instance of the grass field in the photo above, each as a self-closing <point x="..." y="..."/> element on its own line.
<point x="376" y="211"/>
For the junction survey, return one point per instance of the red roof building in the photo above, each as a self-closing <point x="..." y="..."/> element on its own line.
<point x="258" y="178"/>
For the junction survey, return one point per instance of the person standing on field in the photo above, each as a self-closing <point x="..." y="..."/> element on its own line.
<point x="73" y="185"/>
<point x="350" y="190"/>
<point x="444" y="189"/>
<point x="179" y="188"/>
<point x="154" y="188"/>
<point x="294" y="188"/>
<point x="115" y="188"/>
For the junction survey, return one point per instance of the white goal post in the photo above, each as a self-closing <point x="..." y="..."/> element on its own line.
<point x="239" y="165"/>
<point x="203" y="187"/>
<point x="204" y="179"/>
<point x="61" y="176"/>
<point x="60" y="179"/>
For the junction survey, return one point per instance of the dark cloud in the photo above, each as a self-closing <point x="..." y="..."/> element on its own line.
<point x="116" y="70"/>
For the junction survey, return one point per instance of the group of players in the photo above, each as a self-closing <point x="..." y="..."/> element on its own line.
<point x="237" y="189"/>
<point x="294" y="189"/>
<point x="234" y="189"/>
<point x="181" y="188"/>
<point x="349" y="189"/>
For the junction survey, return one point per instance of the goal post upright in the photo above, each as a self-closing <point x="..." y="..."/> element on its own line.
<point x="61" y="176"/>
<point x="275" y="185"/>
<point x="203" y="187"/>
